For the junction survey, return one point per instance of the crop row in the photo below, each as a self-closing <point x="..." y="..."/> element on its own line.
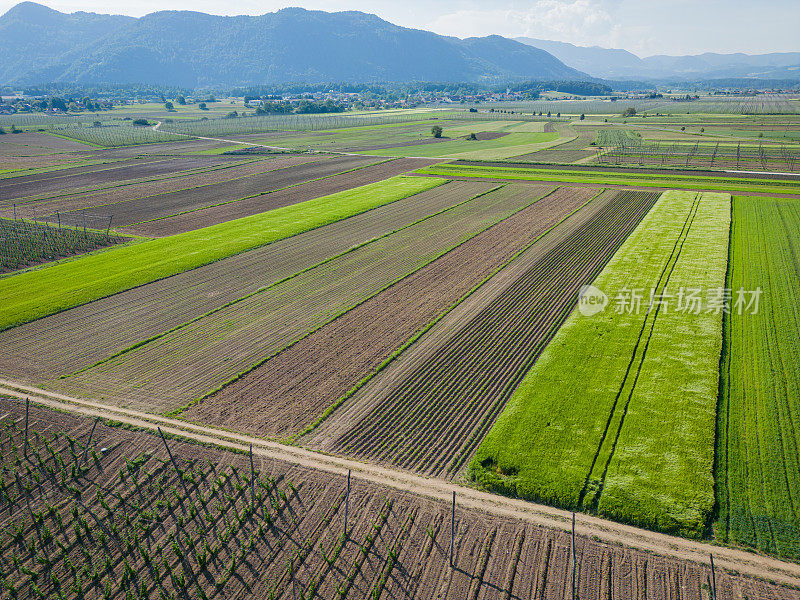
<point x="92" y="511"/>
<point x="432" y="419"/>
<point x="634" y="441"/>
<point x="200" y="356"/>
<point x="62" y="344"/>
<point x="758" y="463"/>
<point x="290" y="390"/>
<point x="36" y="294"/>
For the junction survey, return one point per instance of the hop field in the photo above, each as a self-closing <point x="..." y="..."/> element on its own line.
<point x="617" y="416"/>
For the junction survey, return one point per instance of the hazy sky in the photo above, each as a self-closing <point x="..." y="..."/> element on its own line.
<point x="644" y="27"/>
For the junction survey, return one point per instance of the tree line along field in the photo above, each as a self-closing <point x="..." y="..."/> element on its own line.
<point x="617" y="447"/>
<point x="89" y="509"/>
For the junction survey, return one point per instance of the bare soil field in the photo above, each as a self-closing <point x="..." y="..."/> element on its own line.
<point x="284" y="172"/>
<point x="194" y="360"/>
<point x="300" y="193"/>
<point x="288" y="392"/>
<point x="181" y="146"/>
<point x="60" y="344"/>
<point x="132" y="514"/>
<point x="35" y="142"/>
<point x="79" y="198"/>
<point x="123" y="170"/>
<point x="431" y="418"/>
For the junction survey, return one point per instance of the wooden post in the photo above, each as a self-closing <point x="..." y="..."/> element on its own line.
<point x="713" y="580"/>
<point x="84" y="221"/>
<point x="347" y="502"/>
<point x="91" y="433"/>
<point x="109" y="225"/>
<point x="452" y="528"/>
<point x="174" y="464"/>
<point x="574" y="591"/>
<point x="252" y="478"/>
<point x="27" y="407"/>
<point x="59" y="219"/>
<point x="15" y="212"/>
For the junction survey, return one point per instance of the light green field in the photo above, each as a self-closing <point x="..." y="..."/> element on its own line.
<point x="723" y="184"/>
<point x="617" y="415"/>
<point x="758" y="464"/>
<point x="507" y="146"/>
<point x="35" y="294"/>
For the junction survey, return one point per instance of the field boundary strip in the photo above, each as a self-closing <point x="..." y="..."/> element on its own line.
<point x="732" y="559"/>
<point x="159" y="258"/>
<point x="186" y="212"/>
<point x="258" y="291"/>
<point x="397" y="352"/>
<point x="699" y="183"/>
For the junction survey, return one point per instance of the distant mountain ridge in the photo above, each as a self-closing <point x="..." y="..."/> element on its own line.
<point x="194" y="49"/>
<point x="621" y="64"/>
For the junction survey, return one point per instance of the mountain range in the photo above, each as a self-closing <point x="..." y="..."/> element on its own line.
<point x="620" y="64"/>
<point x="193" y="49"/>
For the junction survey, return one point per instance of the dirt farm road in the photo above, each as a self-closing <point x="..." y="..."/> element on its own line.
<point x="734" y="560"/>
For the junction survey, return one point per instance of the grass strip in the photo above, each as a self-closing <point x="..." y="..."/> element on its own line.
<point x="32" y="295"/>
<point x="606" y="178"/>
<point x="757" y="467"/>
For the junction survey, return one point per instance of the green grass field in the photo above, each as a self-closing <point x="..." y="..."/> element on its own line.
<point x="758" y="433"/>
<point x="722" y="184"/>
<point x="513" y="144"/>
<point x="35" y="294"/>
<point x="617" y="415"/>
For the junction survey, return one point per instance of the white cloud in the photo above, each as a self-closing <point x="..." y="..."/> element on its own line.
<point x="584" y="22"/>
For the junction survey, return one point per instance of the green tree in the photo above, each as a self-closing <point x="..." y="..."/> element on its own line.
<point x="436" y="131"/>
<point x="169" y="106"/>
<point x="629" y="112"/>
<point x="583" y="116"/>
<point x="202" y="106"/>
<point x="180" y="100"/>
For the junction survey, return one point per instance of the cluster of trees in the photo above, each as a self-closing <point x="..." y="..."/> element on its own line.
<point x="304" y="107"/>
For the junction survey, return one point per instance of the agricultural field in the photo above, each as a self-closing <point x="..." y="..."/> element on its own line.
<point x="239" y="336"/>
<point x="98" y="275"/>
<point x="757" y="471"/>
<point x="25" y="243"/>
<point x="635" y="353"/>
<point x="396" y="423"/>
<point x="350" y="290"/>
<point x="90" y="509"/>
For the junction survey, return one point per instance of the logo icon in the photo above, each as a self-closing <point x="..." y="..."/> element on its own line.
<point x="591" y="301"/>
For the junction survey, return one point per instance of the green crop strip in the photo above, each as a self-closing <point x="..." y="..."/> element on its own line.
<point x="596" y="177"/>
<point x="35" y="294"/>
<point x="758" y="464"/>
<point x="617" y="415"/>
